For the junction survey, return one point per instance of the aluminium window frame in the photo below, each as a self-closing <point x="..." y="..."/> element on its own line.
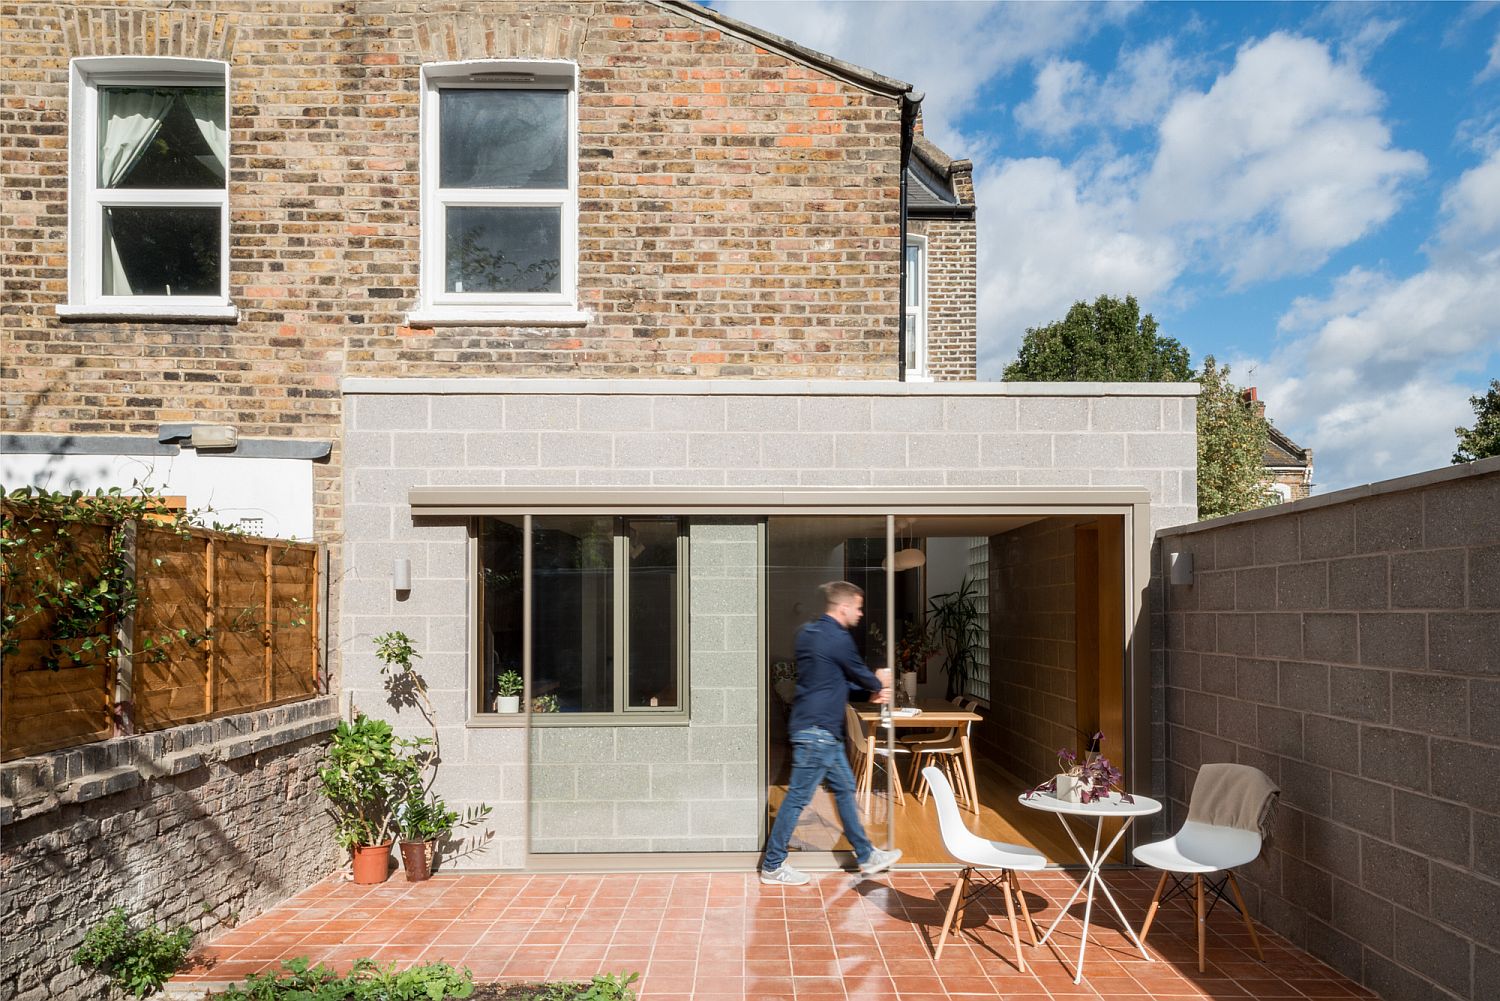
<point x="87" y="200"/>
<point x="436" y="305"/>
<point x="623" y="714"/>
<point x="916" y="315"/>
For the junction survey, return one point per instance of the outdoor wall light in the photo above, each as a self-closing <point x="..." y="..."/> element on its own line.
<point x="401" y="574"/>
<point x="214" y="436"/>
<point x="1180" y="568"/>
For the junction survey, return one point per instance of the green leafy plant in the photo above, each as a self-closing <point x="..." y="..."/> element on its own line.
<point x="426" y="817"/>
<point x="1483" y="439"/>
<point x="603" y="987"/>
<point x="139" y="961"/>
<point x="544" y="704"/>
<point x="369" y="771"/>
<point x="953" y="618"/>
<point x="299" y="980"/>
<point x="509" y="685"/>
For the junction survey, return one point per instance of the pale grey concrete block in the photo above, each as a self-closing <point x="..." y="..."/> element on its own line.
<point x="1016" y="451"/>
<point x="688" y="477"/>
<point x="741" y="704"/>
<point x="541" y="413"/>
<point x="565" y="820"/>
<point x="723" y="450"/>
<point x="723" y="744"/>
<point x="366" y="448"/>
<point x="898" y="413"/>
<point x="1162" y="485"/>
<point x="582" y="448"/>
<point x="726" y="818"/>
<point x="614" y="413"/>
<point x="1053" y="477"/>
<point x="1130" y="413"/>
<point x="612" y="844"/>
<point x="506" y="745"/>
<point x="1171" y="451"/>
<point x="775" y="478"/>
<point x="1044" y="413"/>
<point x="907" y="477"/>
<point x="388" y="413"/>
<point x="1091" y="450"/>
<point x="541" y="477"/>
<point x="981" y="477"/>
<point x="742" y="781"/>
<point x="706" y="704"/>
<point x="502" y="449"/>
<point x="838" y="414"/>
<point x="467" y="413"/>
<point x="870" y="451"/>
<point x="652" y="743"/>
<point x="710" y="556"/>
<point x="742" y="633"/>
<point x="672" y="781"/>
<point x="722" y="670"/>
<point x="691" y="845"/>
<point x="688" y="413"/>
<point x="600" y="477"/>
<point x="648" y="819"/>
<point x="367" y="522"/>
<point x="943" y="450"/>
<point x="375" y="559"/>
<point x="761" y="413"/>
<point x="803" y="448"/>
<point x="980" y="414"/>
<point x="443" y="559"/>
<point x="650" y="449"/>
<point x="447" y="633"/>
<point x="616" y="781"/>
<point x="420" y="449"/>
<point x="561" y="745"/>
<point x="833" y="477"/>
<point x="707" y="634"/>
<point x="368" y="595"/>
<point x="433" y="597"/>
<point x="377" y="485"/>
<point x="475" y="782"/>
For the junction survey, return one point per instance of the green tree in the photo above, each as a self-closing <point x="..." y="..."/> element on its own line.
<point x="1231" y="447"/>
<point x="1483" y="439"/>
<point x="1107" y="342"/>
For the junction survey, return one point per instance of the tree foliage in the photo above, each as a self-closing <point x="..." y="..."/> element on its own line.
<point x="1108" y="341"/>
<point x="1231" y="447"/>
<point x="1483" y="439"/>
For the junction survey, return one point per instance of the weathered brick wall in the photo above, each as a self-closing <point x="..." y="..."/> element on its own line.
<point x="1349" y="646"/>
<point x="203" y="825"/>
<point x="952" y="287"/>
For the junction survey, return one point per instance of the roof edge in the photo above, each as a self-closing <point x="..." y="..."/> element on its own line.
<point x="858" y="75"/>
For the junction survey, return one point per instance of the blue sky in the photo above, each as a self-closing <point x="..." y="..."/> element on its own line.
<point x="1308" y="192"/>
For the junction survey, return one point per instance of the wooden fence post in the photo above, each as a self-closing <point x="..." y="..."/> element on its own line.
<point x="210" y="659"/>
<point x="268" y="632"/>
<point x="123" y="710"/>
<point x="323" y="683"/>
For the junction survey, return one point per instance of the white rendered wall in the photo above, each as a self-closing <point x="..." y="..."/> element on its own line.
<point x="226" y="488"/>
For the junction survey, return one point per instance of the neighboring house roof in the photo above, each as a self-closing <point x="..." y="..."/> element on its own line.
<point x="1281" y="451"/>
<point x="930" y="189"/>
<point x="868" y="79"/>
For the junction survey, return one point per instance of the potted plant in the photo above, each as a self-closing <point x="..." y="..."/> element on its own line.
<point x="423" y="820"/>
<point x="508" y="688"/>
<point x="544" y="704"/>
<point x="954" y="622"/>
<point x="367" y="767"/>
<point x="1088" y="781"/>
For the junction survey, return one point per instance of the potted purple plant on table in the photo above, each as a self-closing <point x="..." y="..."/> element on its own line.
<point x="1088" y="782"/>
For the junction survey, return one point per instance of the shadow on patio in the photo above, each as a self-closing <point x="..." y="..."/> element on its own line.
<point x="723" y="935"/>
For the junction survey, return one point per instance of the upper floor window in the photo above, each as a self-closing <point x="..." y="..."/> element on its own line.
<point x="916" y="308"/>
<point x="149" y="186"/>
<point x="499" y="191"/>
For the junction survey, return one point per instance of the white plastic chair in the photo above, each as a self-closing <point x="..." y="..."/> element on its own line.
<point x="1202" y="849"/>
<point x="866" y="752"/>
<point x="979" y="853"/>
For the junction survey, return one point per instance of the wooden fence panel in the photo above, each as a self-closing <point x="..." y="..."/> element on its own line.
<point x="48" y="699"/>
<point x="171" y="674"/>
<point x="238" y="661"/>
<point x="294" y="656"/>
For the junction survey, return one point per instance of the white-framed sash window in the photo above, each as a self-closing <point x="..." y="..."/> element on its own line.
<point x="916" y="308"/>
<point x="148" y="229"/>
<point x="499" y="175"/>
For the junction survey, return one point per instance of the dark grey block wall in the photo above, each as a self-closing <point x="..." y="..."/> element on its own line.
<point x="1349" y="646"/>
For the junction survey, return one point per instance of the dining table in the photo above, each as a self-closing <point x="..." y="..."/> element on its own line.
<point x="935" y="714"/>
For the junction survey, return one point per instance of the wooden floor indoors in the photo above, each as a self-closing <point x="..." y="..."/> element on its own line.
<point x="1001" y="818"/>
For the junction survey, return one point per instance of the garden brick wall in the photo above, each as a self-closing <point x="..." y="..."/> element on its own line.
<point x="1349" y="646"/>
<point x="204" y="825"/>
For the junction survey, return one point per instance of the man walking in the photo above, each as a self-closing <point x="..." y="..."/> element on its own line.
<point x="828" y="669"/>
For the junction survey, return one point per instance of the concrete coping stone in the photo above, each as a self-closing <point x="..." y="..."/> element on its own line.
<point x="365" y="386"/>
<point x="44" y="782"/>
<point x="1416" y="481"/>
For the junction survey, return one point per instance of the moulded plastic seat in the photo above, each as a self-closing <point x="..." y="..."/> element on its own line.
<point x="1201" y="848"/>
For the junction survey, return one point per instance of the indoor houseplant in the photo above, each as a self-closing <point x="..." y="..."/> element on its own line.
<point x="953" y="619"/>
<point x="367" y="768"/>
<point x="508" y="692"/>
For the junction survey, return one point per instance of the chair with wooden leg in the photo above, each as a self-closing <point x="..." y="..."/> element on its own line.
<point x="980" y="854"/>
<point x="949" y="754"/>
<point x="1228" y="818"/>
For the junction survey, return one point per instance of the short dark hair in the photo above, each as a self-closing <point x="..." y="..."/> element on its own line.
<point x="836" y="592"/>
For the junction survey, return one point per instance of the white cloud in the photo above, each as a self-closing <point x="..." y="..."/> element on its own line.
<point x="1472" y="207"/>
<point x="1136" y="92"/>
<point x="1282" y="161"/>
<point x="1492" y="68"/>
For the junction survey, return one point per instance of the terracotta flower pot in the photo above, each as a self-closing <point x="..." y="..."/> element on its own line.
<point x="372" y="863"/>
<point x="416" y="860"/>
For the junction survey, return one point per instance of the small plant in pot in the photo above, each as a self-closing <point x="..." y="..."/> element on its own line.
<point x="508" y="689"/>
<point x="423" y="820"/>
<point x="1088" y="781"/>
<point x="366" y="769"/>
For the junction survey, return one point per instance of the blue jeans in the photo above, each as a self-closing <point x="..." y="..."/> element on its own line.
<point x="817" y="756"/>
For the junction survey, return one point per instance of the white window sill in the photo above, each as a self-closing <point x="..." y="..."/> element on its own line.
<point x="144" y="311"/>
<point x="499" y="316"/>
<point x="917" y="377"/>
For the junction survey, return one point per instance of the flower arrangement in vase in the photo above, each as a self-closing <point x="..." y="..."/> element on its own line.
<point x="1088" y="781"/>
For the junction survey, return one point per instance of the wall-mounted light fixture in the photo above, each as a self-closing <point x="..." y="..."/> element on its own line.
<point x="214" y="436"/>
<point x="401" y="574"/>
<point x="1180" y="568"/>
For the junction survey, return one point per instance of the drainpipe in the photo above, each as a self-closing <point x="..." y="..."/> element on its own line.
<point x="910" y="102"/>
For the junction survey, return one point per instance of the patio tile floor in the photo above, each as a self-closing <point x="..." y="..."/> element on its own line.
<point x="707" y="937"/>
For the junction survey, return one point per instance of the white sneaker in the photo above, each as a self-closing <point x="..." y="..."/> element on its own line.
<point x="879" y="861"/>
<point x="785" y="876"/>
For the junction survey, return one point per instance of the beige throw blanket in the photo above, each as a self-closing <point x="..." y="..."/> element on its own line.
<point x="1236" y="796"/>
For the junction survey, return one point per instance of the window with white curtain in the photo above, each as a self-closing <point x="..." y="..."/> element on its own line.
<point x="916" y="307"/>
<point x="499" y="190"/>
<point x="149" y="198"/>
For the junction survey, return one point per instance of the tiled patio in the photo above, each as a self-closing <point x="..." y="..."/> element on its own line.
<point x="723" y="935"/>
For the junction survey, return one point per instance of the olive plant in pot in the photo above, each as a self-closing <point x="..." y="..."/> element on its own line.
<point x="367" y="767"/>
<point x="422" y="820"/>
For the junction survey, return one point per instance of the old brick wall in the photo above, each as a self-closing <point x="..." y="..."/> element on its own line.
<point x="1349" y="646"/>
<point x="952" y="287"/>
<point x="204" y="825"/>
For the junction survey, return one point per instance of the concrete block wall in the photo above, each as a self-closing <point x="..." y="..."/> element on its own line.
<point x="1349" y="646"/>
<point x="691" y="787"/>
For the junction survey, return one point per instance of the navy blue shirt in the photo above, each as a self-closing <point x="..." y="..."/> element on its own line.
<point x="828" y="669"/>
